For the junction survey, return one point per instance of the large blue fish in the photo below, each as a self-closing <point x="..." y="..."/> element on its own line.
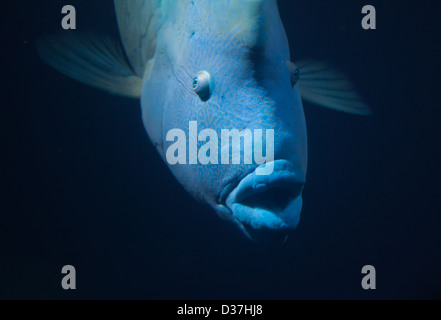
<point x="223" y="64"/>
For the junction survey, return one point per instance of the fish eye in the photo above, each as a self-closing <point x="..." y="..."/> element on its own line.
<point x="295" y="76"/>
<point x="203" y="85"/>
<point x="295" y="73"/>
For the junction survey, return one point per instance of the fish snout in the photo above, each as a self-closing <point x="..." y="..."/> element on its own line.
<point x="267" y="207"/>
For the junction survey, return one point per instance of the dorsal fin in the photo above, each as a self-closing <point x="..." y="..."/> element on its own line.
<point x="139" y="22"/>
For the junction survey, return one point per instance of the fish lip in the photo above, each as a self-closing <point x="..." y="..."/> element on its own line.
<point x="285" y="178"/>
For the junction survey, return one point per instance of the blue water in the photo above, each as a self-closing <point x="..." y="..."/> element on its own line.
<point x="84" y="186"/>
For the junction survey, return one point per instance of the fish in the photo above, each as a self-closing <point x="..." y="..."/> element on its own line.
<point x="222" y="64"/>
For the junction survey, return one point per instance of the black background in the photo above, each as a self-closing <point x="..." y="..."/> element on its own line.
<point x="82" y="185"/>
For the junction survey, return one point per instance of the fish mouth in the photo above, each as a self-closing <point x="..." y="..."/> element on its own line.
<point x="266" y="207"/>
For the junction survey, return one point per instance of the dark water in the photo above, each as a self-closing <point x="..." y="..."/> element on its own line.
<point x="82" y="184"/>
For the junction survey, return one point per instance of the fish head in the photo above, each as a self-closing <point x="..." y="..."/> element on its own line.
<point x="223" y="69"/>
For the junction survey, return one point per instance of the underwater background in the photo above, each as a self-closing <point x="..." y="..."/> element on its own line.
<point x="83" y="185"/>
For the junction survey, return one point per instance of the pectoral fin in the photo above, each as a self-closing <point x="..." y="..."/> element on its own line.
<point x="321" y="84"/>
<point x="95" y="60"/>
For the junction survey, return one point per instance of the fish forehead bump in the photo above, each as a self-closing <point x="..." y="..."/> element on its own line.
<point x="254" y="22"/>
